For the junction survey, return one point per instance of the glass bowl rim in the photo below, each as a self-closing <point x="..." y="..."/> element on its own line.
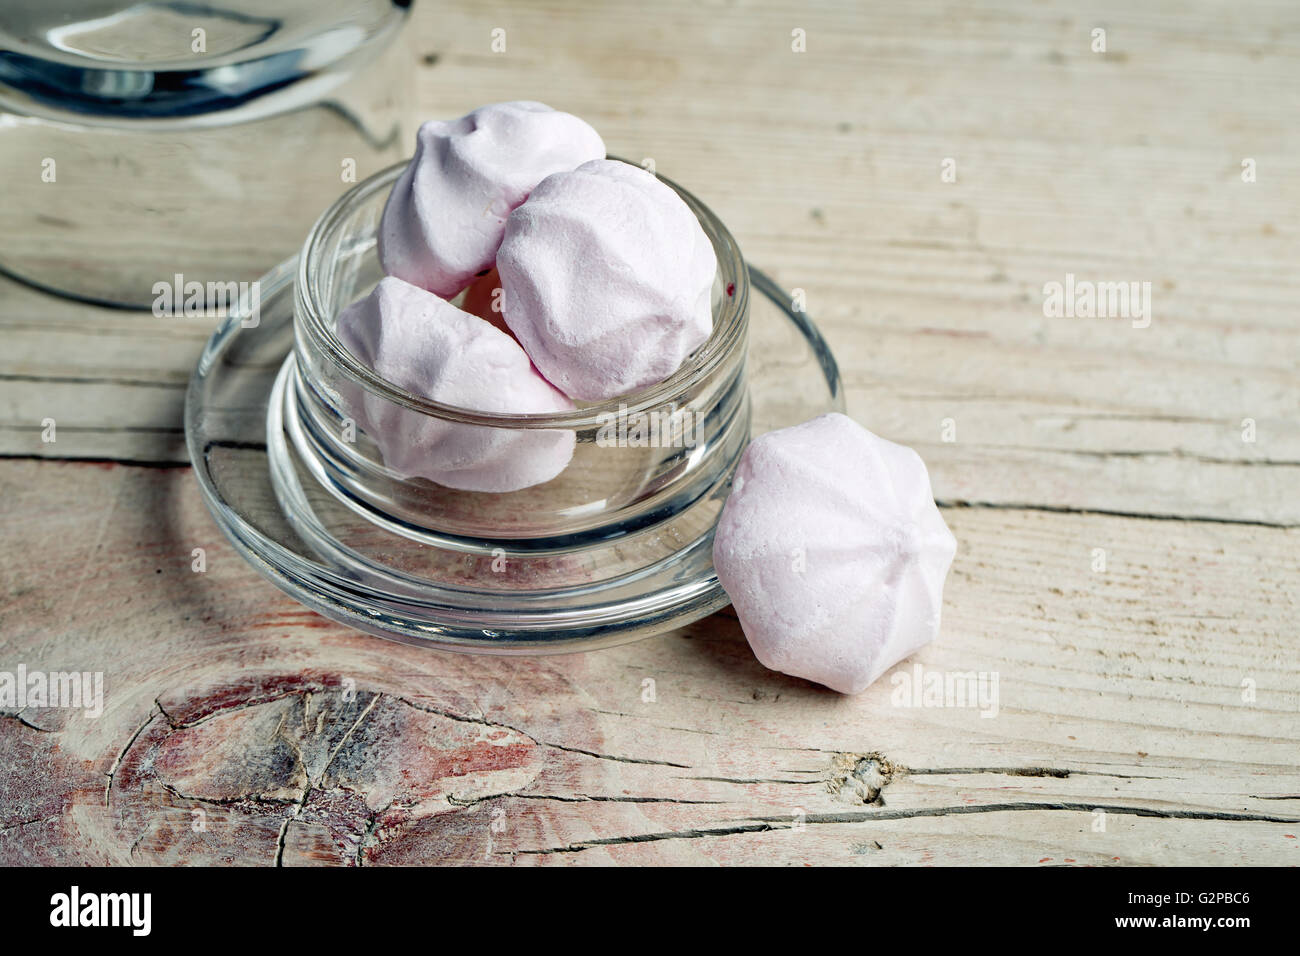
<point x="726" y="337"/>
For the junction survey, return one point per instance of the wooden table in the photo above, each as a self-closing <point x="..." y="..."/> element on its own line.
<point x="1125" y="497"/>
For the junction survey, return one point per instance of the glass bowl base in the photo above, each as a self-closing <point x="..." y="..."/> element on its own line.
<point x="352" y="566"/>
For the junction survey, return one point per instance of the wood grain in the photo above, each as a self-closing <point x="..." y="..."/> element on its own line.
<point x="1112" y="167"/>
<point x="1148" y="713"/>
<point x="303" y="742"/>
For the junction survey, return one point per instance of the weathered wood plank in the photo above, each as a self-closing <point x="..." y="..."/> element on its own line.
<point x="1112" y="167"/>
<point x="300" y="741"/>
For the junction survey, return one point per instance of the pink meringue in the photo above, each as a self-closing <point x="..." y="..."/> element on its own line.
<point x="833" y="552"/>
<point x="608" y="279"/>
<point x="415" y="340"/>
<point x="447" y="212"/>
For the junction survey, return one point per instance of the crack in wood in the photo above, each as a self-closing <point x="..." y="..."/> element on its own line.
<point x="1032" y="806"/>
<point x="179" y="383"/>
<point x="693" y="834"/>
<point x="899" y="770"/>
<point x="618" y="759"/>
<point x="762" y="824"/>
<point x="164" y="464"/>
<point x="255" y="799"/>
<point x="1058" y="772"/>
<point x="19" y="824"/>
<point x="1147" y="453"/>
<point x="747" y="780"/>
<point x="14" y="715"/>
<point x="596" y="798"/>
<point x="117" y="761"/>
<point x="541" y="743"/>
<point x="284" y="830"/>
<point x="1108" y="513"/>
<point x="158" y="463"/>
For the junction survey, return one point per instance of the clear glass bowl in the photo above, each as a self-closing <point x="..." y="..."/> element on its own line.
<point x="616" y="547"/>
<point x="638" y="459"/>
